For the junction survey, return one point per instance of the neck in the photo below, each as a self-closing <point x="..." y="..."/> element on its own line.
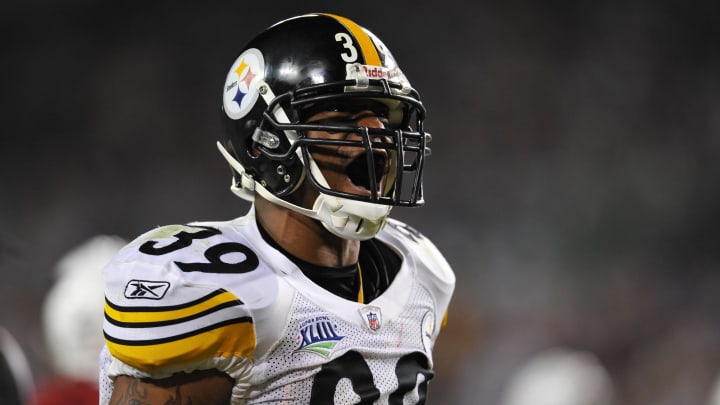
<point x="304" y="237"/>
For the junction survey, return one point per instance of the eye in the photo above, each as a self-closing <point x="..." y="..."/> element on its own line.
<point x="381" y="116"/>
<point x="333" y="117"/>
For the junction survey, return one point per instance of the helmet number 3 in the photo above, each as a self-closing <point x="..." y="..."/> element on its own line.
<point x="351" y="55"/>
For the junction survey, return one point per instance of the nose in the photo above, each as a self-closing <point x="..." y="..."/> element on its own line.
<point x="371" y="119"/>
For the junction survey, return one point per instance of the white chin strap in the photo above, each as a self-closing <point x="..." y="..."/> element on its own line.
<point x="348" y="219"/>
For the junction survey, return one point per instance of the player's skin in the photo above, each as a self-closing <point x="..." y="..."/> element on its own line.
<point x="301" y="236"/>
<point x="210" y="387"/>
<point x="306" y="238"/>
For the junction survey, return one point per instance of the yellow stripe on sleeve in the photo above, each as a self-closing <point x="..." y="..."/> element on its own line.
<point x="233" y="340"/>
<point x="366" y="44"/>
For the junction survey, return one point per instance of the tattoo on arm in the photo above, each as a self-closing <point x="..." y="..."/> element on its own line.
<point x="208" y="387"/>
<point x="133" y="395"/>
<point x="178" y="399"/>
<point x="136" y="394"/>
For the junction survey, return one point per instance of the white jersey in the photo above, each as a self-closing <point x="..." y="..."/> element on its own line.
<point x="217" y="295"/>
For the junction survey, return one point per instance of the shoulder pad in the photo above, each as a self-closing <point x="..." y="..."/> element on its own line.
<point x="157" y="318"/>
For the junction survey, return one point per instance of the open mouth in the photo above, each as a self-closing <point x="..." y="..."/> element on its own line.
<point x="359" y="173"/>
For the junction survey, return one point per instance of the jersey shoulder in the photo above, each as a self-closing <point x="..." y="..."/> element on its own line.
<point x="165" y="309"/>
<point x="416" y="247"/>
<point x="430" y="267"/>
<point x="175" y="242"/>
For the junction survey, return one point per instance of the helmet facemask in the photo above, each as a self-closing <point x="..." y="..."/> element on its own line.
<point x="386" y="162"/>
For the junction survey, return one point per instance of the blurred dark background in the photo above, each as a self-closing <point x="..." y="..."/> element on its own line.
<point x="574" y="183"/>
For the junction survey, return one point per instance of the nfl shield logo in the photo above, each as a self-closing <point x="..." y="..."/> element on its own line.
<point x="373" y="320"/>
<point x="372" y="317"/>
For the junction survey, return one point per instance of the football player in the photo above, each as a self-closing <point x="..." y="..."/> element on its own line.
<point x="314" y="296"/>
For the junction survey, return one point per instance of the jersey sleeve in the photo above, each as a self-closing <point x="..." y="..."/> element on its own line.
<point x="157" y="322"/>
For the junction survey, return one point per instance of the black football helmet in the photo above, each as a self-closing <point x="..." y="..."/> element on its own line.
<point x="322" y="62"/>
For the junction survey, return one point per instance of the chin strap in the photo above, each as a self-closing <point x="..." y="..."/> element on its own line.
<point x="245" y="188"/>
<point x="348" y="219"/>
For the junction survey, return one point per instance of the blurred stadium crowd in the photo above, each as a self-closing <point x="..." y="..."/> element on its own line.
<point x="574" y="183"/>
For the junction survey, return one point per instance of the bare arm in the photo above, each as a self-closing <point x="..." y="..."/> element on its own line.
<point x="201" y="387"/>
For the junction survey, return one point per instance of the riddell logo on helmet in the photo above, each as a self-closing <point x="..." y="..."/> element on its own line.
<point x="376" y="72"/>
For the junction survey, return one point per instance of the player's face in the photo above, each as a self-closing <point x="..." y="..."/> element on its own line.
<point x="346" y="167"/>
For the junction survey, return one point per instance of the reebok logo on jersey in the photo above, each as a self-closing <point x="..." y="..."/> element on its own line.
<point x="153" y="290"/>
<point x="318" y="335"/>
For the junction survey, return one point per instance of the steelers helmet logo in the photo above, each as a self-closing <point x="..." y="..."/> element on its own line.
<point x="241" y="86"/>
